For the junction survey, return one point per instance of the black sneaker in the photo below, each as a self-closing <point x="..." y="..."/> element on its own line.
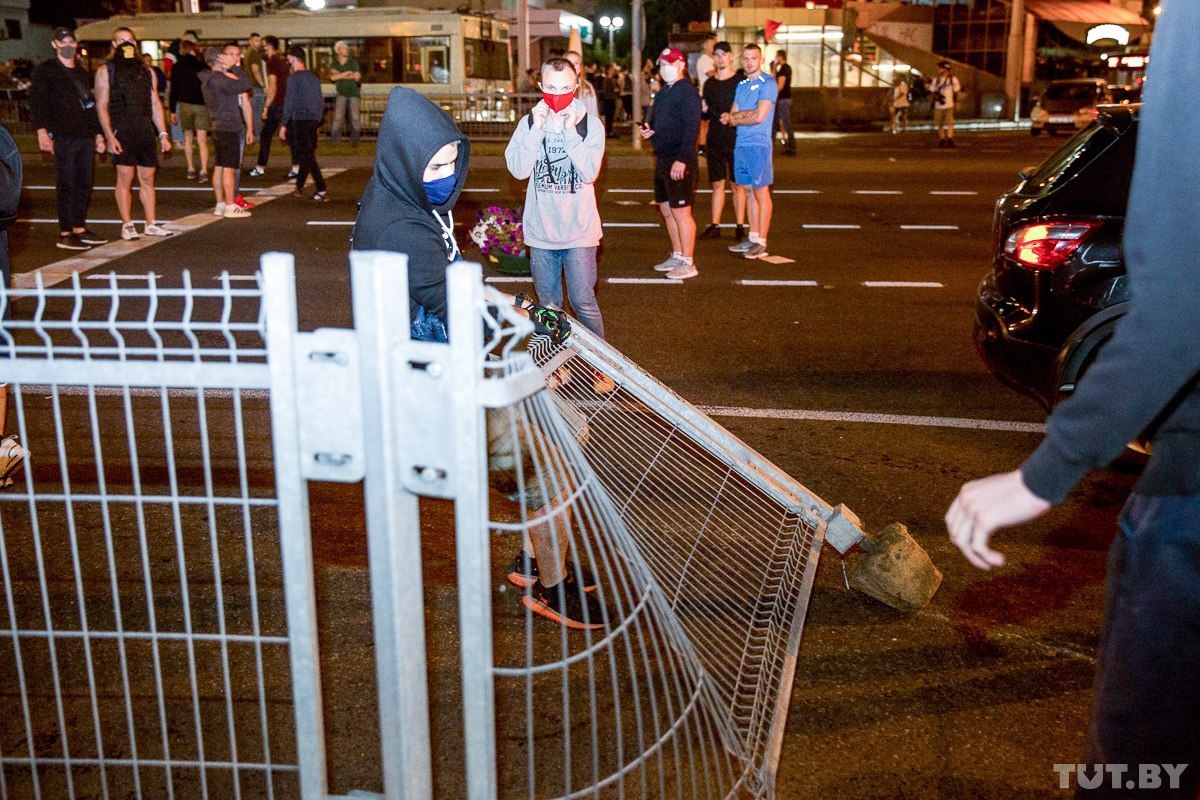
<point x="739" y="233"/>
<point x="320" y="197"/>
<point x="566" y="605"/>
<point x="524" y="573"/>
<point x="950" y="143"/>
<point x="71" y="242"/>
<point x="87" y="237"/>
<point x="711" y="232"/>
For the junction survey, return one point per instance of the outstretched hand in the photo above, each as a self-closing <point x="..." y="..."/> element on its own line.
<point x="986" y="505"/>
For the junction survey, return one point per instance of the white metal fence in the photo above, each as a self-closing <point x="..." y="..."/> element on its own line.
<point x="159" y="613"/>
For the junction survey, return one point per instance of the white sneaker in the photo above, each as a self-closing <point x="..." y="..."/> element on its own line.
<point x="755" y="251"/>
<point x="11" y="456"/>
<point x="235" y="212"/>
<point x="257" y="172"/>
<point x="742" y="246"/>
<point x="683" y="270"/>
<point x="219" y="210"/>
<point x="154" y="229"/>
<point x="129" y="232"/>
<point x="671" y="263"/>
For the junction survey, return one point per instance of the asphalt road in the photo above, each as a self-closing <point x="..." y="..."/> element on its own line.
<point x="851" y="367"/>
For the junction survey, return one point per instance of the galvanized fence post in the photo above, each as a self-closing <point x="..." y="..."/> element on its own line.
<point x="465" y="286"/>
<point x="279" y="298"/>
<point x="380" y="295"/>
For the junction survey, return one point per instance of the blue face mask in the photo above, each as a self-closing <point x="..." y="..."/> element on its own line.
<point x="439" y="191"/>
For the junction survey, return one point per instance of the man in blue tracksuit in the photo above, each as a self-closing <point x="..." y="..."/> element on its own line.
<point x="673" y="128"/>
<point x="1147" y="378"/>
<point x="303" y="109"/>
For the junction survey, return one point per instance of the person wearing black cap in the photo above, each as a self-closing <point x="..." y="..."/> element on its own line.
<point x="944" y="93"/>
<point x="303" y="109"/>
<point x="64" y="111"/>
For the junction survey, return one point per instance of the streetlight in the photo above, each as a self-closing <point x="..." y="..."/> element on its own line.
<point x="611" y="24"/>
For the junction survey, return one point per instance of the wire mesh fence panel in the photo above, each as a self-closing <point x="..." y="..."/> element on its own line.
<point x="598" y="689"/>
<point x="730" y="540"/>
<point x="146" y="643"/>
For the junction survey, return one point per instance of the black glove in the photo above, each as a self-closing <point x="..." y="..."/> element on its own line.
<point x="548" y="322"/>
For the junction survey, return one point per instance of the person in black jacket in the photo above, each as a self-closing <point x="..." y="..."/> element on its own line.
<point x="303" y="109"/>
<point x="64" y="111"/>
<point x="1146" y="379"/>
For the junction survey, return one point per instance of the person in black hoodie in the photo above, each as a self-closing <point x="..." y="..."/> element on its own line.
<point x="420" y="170"/>
<point x="408" y="204"/>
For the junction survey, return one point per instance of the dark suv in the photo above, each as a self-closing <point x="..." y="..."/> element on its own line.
<point x="1058" y="284"/>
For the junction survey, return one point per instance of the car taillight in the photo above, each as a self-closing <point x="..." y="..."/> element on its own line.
<point x="1045" y="245"/>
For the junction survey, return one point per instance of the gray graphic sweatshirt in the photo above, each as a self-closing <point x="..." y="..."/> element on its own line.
<point x="560" y="202"/>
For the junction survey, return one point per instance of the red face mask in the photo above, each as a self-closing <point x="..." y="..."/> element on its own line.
<point x="557" y="102"/>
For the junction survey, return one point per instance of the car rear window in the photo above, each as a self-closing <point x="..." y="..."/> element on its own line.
<point x="1069" y="159"/>
<point x="1083" y="92"/>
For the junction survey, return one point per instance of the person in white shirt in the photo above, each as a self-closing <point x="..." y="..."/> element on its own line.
<point x="944" y="92"/>
<point x="900" y="105"/>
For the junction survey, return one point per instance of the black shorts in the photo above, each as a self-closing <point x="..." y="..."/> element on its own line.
<point x="680" y="193"/>
<point x="720" y="163"/>
<point x="139" y="146"/>
<point x="229" y="148"/>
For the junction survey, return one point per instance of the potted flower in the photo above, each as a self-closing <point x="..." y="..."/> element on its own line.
<point x="501" y="239"/>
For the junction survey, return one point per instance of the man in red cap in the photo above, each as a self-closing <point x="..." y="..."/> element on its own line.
<point x="674" y="126"/>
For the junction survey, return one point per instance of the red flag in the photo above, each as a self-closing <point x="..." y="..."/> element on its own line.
<point x="769" y="29"/>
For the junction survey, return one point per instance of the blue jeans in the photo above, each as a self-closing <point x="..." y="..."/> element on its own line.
<point x="783" y="121"/>
<point x="345" y="108"/>
<point x="427" y="327"/>
<point x="258" y="99"/>
<point x="1147" y="701"/>
<point x="579" y="264"/>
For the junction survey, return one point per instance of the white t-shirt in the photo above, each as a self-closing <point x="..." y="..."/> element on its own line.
<point x="945" y="91"/>
<point x="704" y="65"/>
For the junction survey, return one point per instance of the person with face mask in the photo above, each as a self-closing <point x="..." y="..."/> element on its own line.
<point x="131" y="117"/>
<point x="559" y="148"/>
<point x="407" y="207"/>
<point x="673" y="129"/>
<point x="64" y="111"/>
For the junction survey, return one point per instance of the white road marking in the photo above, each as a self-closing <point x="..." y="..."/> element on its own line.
<point x="481" y="190"/>
<point x="880" y="419"/>
<point x="712" y="411"/>
<point x="630" y="191"/>
<point x="795" y="191"/>
<point x="631" y="225"/>
<point x="60" y="271"/>
<point x="928" y="227"/>
<point x="903" y="285"/>
<point x="330" y="222"/>
<point x="508" y="280"/>
<point x="878" y="191"/>
<point x="778" y="283"/>
<point x="116" y="276"/>
<point x="660" y="281"/>
<point x="201" y="188"/>
<point x="956" y="194"/>
<point x="812" y="226"/>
